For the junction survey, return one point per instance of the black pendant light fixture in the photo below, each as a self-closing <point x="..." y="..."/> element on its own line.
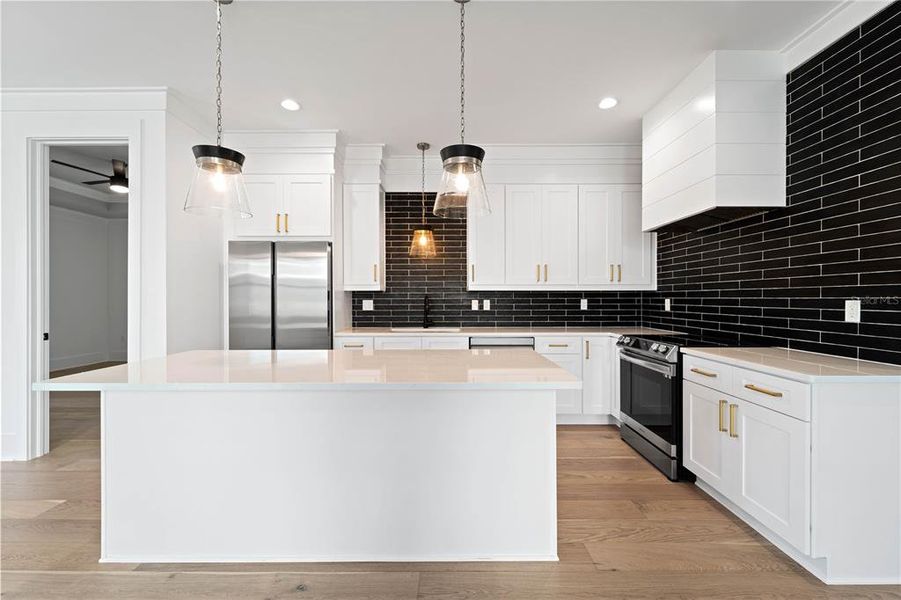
<point x="423" y="243"/>
<point x="462" y="187"/>
<point x="218" y="183"/>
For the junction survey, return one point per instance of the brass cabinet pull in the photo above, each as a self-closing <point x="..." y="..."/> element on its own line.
<point x="375" y="273"/>
<point x="538" y="273"/>
<point x="611" y="272"/>
<point x="558" y="345"/>
<point x="545" y="272"/>
<point x="353" y="345"/>
<point x="473" y="269"/>
<point x="761" y="390"/>
<point x="587" y="350"/>
<point x="619" y="268"/>
<point x="723" y="404"/>
<point x="278" y="222"/>
<point x="286" y="222"/>
<point x="733" y="408"/>
<point x="702" y="372"/>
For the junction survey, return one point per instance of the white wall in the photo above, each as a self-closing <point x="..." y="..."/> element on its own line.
<point x="88" y="288"/>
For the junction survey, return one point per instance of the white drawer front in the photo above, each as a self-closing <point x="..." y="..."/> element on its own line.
<point x="353" y="343"/>
<point x="707" y="372"/>
<point x="558" y="345"/>
<point x="398" y="343"/>
<point x="789" y="397"/>
<point x="445" y="343"/>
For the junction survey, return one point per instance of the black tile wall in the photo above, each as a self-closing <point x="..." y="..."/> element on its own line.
<point x="444" y="279"/>
<point x="781" y="277"/>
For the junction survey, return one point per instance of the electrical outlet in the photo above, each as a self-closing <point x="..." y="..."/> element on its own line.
<point x="583" y="304"/>
<point x="667" y="304"/>
<point x="852" y="311"/>
<point x="475" y="305"/>
<point x="368" y="305"/>
<point x="486" y="304"/>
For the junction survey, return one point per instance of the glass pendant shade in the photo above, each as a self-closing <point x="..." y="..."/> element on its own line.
<point x="218" y="183"/>
<point x="423" y="243"/>
<point x="462" y="188"/>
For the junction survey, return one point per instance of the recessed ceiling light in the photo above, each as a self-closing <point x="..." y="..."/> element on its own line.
<point x="289" y="104"/>
<point x="608" y="102"/>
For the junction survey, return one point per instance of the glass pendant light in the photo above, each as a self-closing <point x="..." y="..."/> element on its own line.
<point x="423" y="243"/>
<point x="462" y="187"/>
<point x="218" y="183"/>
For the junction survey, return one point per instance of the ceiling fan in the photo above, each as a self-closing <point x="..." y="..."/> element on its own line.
<point x="118" y="181"/>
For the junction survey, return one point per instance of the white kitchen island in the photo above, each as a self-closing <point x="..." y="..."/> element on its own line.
<point x="344" y="455"/>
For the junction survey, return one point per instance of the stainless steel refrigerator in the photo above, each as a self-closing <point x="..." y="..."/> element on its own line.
<point x="279" y="295"/>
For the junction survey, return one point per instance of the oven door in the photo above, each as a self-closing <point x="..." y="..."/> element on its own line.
<point x="647" y="399"/>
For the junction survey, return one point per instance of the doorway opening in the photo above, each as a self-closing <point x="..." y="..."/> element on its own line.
<point x="86" y="274"/>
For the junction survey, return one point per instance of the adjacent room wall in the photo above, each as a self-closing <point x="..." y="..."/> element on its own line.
<point x="444" y="279"/>
<point x="88" y="288"/>
<point x="782" y="277"/>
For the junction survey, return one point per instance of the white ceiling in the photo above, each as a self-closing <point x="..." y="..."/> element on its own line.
<point x="97" y="158"/>
<point x="387" y="71"/>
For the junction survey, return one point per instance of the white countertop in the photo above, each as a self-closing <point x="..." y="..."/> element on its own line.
<point x="504" y="331"/>
<point x="328" y="370"/>
<point x="809" y="367"/>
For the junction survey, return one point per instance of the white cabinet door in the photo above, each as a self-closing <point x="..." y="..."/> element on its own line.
<point x="445" y="343"/>
<point x="598" y="226"/>
<point x="636" y="248"/>
<point x="560" y="234"/>
<point x="707" y="447"/>
<point x="364" y="237"/>
<point x="597" y="375"/>
<point x="569" y="402"/>
<point x="398" y="343"/>
<point x="485" y="240"/>
<point x="523" y="234"/>
<point x="353" y="343"/>
<point x="264" y="194"/>
<point x="307" y="206"/>
<point x="774" y="476"/>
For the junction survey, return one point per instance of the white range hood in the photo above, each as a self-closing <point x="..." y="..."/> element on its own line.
<point x="713" y="149"/>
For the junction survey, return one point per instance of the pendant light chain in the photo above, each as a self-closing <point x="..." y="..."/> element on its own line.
<point x="218" y="73"/>
<point x="423" y="184"/>
<point x="462" y="71"/>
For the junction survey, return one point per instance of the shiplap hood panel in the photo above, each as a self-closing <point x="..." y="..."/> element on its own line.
<point x="714" y="147"/>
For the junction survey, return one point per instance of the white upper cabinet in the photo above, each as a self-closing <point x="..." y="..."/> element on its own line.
<point x="560" y="234"/>
<point x="523" y="235"/>
<point x="485" y="236"/>
<point x="716" y="142"/>
<point x="613" y="250"/>
<point x="287" y="205"/>
<point x="364" y="237"/>
<point x="264" y="197"/>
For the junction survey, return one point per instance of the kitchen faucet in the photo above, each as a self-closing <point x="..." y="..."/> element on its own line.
<point x="426" y="305"/>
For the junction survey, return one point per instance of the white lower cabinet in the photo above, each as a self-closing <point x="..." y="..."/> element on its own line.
<point x="353" y="343"/>
<point x="397" y="343"/>
<point x="569" y="402"/>
<point x="599" y="366"/>
<point x="445" y="343"/>
<point x="709" y="452"/>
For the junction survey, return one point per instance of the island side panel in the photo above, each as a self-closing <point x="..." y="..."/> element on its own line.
<point x="329" y="476"/>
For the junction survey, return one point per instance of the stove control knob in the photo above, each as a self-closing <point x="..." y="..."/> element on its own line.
<point x="627" y="340"/>
<point x="662" y="349"/>
<point x="653" y="347"/>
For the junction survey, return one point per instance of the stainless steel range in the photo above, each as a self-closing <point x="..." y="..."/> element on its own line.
<point x="651" y="400"/>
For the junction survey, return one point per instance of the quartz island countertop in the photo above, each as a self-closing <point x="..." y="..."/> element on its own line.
<point x="506" y="369"/>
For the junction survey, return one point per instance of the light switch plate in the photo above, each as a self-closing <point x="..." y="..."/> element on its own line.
<point x="852" y="311"/>
<point x="486" y="304"/>
<point x="475" y="305"/>
<point x="583" y="304"/>
<point x="368" y="305"/>
<point x="667" y="304"/>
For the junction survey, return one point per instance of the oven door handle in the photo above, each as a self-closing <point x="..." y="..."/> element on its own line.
<point x="668" y="371"/>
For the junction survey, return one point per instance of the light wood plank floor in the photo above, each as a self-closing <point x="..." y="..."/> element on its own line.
<point x="624" y="530"/>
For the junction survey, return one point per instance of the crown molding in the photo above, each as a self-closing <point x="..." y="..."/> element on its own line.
<point x="78" y="99"/>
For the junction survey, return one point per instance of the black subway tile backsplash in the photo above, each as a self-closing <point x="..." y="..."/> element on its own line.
<point x="775" y="278"/>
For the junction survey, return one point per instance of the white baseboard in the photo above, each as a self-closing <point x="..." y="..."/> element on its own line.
<point x="587" y="420"/>
<point x="329" y="558"/>
<point x="77" y="360"/>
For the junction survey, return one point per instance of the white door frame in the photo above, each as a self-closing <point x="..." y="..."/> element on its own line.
<point x="39" y="270"/>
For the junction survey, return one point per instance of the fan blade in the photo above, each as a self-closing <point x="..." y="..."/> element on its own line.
<point x="95" y="182"/>
<point x="119" y="167"/>
<point x="65" y="164"/>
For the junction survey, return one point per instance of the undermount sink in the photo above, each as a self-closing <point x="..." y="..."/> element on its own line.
<point x="426" y="329"/>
